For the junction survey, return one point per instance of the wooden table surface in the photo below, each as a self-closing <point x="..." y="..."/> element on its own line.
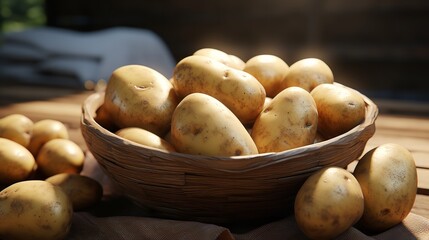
<point x="410" y="130"/>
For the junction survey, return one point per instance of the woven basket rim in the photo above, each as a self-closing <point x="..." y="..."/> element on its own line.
<point x="247" y="162"/>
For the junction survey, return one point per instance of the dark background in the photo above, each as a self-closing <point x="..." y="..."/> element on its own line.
<point x="378" y="47"/>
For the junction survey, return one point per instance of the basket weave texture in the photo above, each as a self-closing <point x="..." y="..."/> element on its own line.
<point x="253" y="188"/>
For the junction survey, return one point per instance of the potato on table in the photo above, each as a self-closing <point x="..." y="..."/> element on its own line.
<point x="388" y="177"/>
<point x="45" y="130"/>
<point x="60" y="156"/>
<point x="83" y="191"/>
<point x="329" y="202"/>
<point x="34" y="209"/>
<point x="17" y="128"/>
<point x="16" y="162"/>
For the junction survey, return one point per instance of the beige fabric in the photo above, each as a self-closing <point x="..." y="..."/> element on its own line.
<point x="86" y="226"/>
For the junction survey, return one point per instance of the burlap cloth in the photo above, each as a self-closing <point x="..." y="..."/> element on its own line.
<point x="87" y="226"/>
<point x="119" y="219"/>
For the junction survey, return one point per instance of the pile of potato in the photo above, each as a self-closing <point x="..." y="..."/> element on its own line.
<point x="378" y="195"/>
<point x="216" y="104"/>
<point x="39" y="175"/>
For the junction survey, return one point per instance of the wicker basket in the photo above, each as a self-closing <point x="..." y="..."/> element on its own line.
<point x="217" y="190"/>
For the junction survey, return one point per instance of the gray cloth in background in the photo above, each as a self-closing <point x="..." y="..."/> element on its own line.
<point x="60" y="57"/>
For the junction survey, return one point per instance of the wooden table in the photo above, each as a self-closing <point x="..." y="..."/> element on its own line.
<point x="410" y="130"/>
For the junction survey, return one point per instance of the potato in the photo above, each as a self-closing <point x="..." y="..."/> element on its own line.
<point x="17" y="128"/>
<point x="319" y="138"/>
<point x="167" y="137"/>
<point x="267" y="102"/>
<point x="34" y="209"/>
<point x="218" y="55"/>
<point x="289" y="121"/>
<point x="388" y="177"/>
<point x="329" y="202"/>
<point x="202" y="125"/>
<point x="45" y="130"/>
<point x="138" y="96"/>
<point x="16" y="162"/>
<point x="238" y="90"/>
<point x="236" y="62"/>
<point x="84" y="192"/>
<point x="270" y="71"/>
<point x="308" y="73"/>
<point x="103" y="118"/>
<point x="60" y="156"/>
<point x="340" y="109"/>
<point x="144" y="137"/>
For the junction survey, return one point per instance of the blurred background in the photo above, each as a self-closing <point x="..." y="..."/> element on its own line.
<point x="378" y="47"/>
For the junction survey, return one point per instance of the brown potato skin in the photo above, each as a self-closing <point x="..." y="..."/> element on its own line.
<point x="17" y="128"/>
<point x="221" y="56"/>
<point x="138" y="96"/>
<point x="236" y="62"/>
<point x="103" y="118"/>
<point x="328" y="203"/>
<point x="60" y="156"/>
<point x="308" y="73"/>
<point x="84" y="192"/>
<point x="34" y="209"/>
<point x="340" y="109"/>
<point x="202" y="125"/>
<point x="44" y="131"/>
<point x="144" y="137"/>
<point x="239" y="91"/>
<point x="289" y="121"/>
<point x="16" y="162"/>
<point x="388" y="177"/>
<point x="267" y="102"/>
<point x="270" y="71"/>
